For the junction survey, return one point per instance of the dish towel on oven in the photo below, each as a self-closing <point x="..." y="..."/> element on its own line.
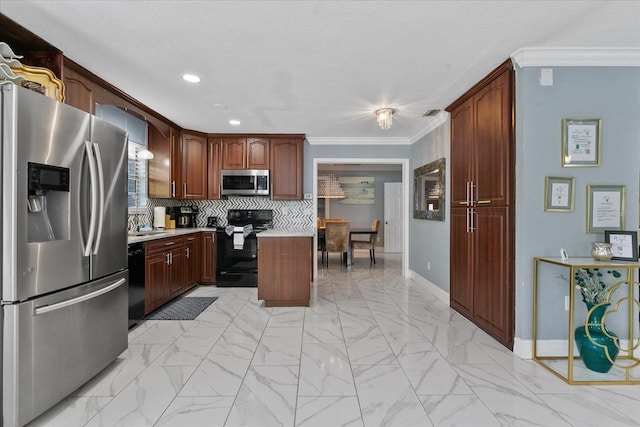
<point x="239" y="234"/>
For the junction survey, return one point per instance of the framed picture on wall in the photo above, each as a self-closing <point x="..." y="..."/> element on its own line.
<point x="558" y="193"/>
<point x="624" y="244"/>
<point x="605" y="208"/>
<point x="581" y="141"/>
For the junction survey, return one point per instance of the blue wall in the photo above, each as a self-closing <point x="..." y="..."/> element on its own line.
<point x="609" y="93"/>
<point x="429" y="240"/>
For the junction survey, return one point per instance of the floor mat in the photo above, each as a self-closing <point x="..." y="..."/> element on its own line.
<point x="186" y="308"/>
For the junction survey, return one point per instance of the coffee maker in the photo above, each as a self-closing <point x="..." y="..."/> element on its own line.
<point x="186" y="216"/>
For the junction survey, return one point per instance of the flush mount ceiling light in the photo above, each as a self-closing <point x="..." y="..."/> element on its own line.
<point x="234" y="122"/>
<point x="384" y="117"/>
<point x="191" y="78"/>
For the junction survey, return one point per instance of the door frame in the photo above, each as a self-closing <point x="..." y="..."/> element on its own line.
<point x="405" y="200"/>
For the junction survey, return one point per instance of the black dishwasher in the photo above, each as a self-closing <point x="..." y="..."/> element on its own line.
<point x="136" y="283"/>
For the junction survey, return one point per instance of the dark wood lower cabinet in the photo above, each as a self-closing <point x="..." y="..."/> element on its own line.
<point x="285" y="271"/>
<point x="209" y="251"/>
<point x="482" y="269"/>
<point x="156" y="289"/>
<point x="192" y="257"/>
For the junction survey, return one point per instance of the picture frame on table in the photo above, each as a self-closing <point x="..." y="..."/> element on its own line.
<point x="605" y="208"/>
<point x="581" y="142"/>
<point x="559" y="193"/>
<point x="624" y="244"/>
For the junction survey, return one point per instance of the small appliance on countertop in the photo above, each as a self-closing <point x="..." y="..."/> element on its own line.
<point x="212" y="222"/>
<point x="186" y="216"/>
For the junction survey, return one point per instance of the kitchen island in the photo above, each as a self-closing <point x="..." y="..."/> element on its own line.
<point x="285" y="269"/>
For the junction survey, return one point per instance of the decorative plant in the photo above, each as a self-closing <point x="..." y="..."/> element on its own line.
<point x="594" y="283"/>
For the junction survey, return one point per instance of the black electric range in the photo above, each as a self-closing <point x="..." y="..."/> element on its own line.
<point x="237" y="257"/>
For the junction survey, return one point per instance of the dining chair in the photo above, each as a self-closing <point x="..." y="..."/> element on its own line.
<point x="336" y="238"/>
<point x="368" y="244"/>
<point x="321" y="237"/>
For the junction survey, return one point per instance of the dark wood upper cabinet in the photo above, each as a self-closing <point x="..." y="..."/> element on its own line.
<point x="286" y="168"/>
<point x="159" y="175"/>
<point x="165" y="181"/>
<point x="214" y="163"/>
<point x="245" y="152"/>
<point x="78" y="92"/>
<point x="258" y="153"/>
<point x="482" y="141"/>
<point x="194" y="165"/>
<point x="234" y="153"/>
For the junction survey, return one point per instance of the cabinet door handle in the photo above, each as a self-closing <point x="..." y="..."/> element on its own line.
<point x="188" y="252"/>
<point x="464" y="203"/>
<point x="173" y="189"/>
<point x="467" y="219"/>
<point x="483" y="202"/>
<point x="167" y="261"/>
<point x="473" y="188"/>
<point x="473" y="220"/>
<point x="184" y="190"/>
<point x="170" y="243"/>
<point x="171" y="257"/>
<point x="190" y="239"/>
<point x="467" y="194"/>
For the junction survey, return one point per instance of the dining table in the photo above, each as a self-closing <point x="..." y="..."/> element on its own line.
<point x="357" y="231"/>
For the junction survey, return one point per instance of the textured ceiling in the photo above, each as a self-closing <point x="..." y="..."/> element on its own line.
<point x="314" y="67"/>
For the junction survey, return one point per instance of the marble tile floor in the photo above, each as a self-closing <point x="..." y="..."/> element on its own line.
<point x="373" y="349"/>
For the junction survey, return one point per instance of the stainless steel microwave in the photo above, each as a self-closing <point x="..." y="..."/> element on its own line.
<point x="245" y="182"/>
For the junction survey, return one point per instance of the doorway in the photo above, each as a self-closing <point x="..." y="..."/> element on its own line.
<point x="354" y="164"/>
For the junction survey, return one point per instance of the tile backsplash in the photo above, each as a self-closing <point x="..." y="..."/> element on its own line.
<point x="286" y="213"/>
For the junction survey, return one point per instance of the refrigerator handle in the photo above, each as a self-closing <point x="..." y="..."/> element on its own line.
<point x="94" y="201"/>
<point x="57" y="306"/>
<point x="100" y="211"/>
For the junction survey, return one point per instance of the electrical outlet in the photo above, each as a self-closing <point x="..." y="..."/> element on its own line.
<point x="285" y="211"/>
<point x="566" y="303"/>
<point x="429" y="265"/>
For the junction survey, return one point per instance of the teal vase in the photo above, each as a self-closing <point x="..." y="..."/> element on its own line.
<point x="592" y="354"/>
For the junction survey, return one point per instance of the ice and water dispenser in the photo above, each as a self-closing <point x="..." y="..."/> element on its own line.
<point x="48" y="203"/>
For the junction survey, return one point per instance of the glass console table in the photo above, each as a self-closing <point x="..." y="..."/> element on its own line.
<point x="551" y="277"/>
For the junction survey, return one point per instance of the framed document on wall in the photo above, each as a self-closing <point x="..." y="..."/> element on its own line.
<point x="605" y="208"/>
<point x="581" y="141"/>
<point x="558" y="193"/>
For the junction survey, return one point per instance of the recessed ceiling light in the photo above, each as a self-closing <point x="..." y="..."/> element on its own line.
<point x="191" y="78"/>
<point x="220" y="106"/>
<point x="234" y="122"/>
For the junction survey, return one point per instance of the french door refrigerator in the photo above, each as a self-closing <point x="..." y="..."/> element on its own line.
<point x="64" y="250"/>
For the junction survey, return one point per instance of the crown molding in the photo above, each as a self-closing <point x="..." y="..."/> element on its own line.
<point x="576" y="57"/>
<point x="357" y="141"/>
<point x="432" y="125"/>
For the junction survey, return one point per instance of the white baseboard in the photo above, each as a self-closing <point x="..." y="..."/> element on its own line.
<point x="441" y="294"/>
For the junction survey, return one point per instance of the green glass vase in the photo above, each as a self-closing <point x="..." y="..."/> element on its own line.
<point x="591" y="351"/>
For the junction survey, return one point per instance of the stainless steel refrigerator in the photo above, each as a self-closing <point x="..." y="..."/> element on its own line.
<point x="64" y="250"/>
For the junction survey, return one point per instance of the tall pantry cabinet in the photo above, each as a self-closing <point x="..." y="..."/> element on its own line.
<point x="482" y="204"/>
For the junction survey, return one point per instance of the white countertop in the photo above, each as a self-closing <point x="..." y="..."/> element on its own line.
<point x="287" y="232"/>
<point x="167" y="232"/>
<point x="172" y="232"/>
